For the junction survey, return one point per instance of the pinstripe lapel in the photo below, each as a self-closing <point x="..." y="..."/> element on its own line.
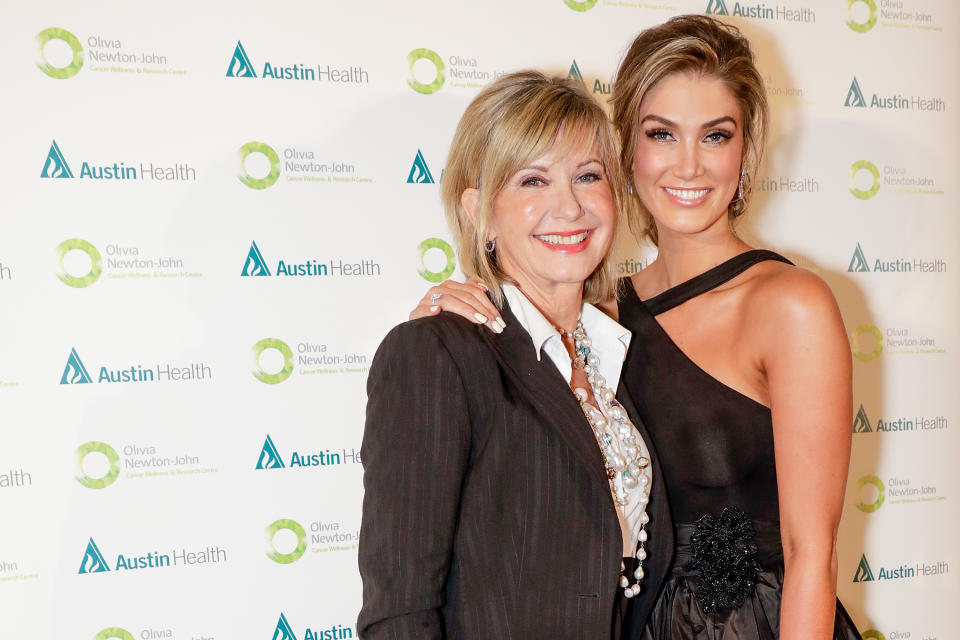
<point x="544" y="386"/>
<point x="661" y="543"/>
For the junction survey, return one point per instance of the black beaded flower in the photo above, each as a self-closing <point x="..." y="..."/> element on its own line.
<point x="726" y="557"/>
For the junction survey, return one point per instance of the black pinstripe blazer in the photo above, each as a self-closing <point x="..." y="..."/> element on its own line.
<point x="487" y="511"/>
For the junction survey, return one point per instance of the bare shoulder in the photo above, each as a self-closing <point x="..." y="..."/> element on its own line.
<point x="786" y="297"/>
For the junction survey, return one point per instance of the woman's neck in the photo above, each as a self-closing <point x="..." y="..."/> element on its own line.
<point x="560" y="303"/>
<point x="682" y="257"/>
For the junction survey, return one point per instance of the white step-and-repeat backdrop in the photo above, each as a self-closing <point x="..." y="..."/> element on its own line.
<point x="213" y="212"/>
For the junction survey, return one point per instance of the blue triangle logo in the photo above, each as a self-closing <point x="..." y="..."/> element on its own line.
<point x="269" y="456"/>
<point x="56" y="165"/>
<point x="75" y="372"/>
<point x="717" y="8"/>
<point x="575" y="72"/>
<point x="420" y="172"/>
<point x="863" y="574"/>
<point x="93" y="561"/>
<point x="255" y="264"/>
<point x="854" y="95"/>
<point x="240" y="65"/>
<point x="858" y="263"/>
<point x="283" y="630"/>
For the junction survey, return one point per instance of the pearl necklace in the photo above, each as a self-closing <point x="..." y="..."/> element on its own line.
<point x="628" y="464"/>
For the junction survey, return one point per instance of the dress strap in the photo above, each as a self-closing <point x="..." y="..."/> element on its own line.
<point x="708" y="280"/>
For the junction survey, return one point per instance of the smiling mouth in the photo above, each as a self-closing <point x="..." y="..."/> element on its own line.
<point x="560" y="240"/>
<point x="687" y="194"/>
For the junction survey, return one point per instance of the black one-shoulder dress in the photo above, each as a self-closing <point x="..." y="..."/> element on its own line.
<point x="716" y="452"/>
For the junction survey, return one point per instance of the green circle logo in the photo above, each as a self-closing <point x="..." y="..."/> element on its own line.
<point x="97" y="483"/>
<point x="72" y="244"/>
<point x="60" y="73"/>
<point x="584" y="5"/>
<point x="296" y="554"/>
<point x="864" y="165"/>
<point x="872" y="481"/>
<point x="279" y="345"/>
<point x="270" y="178"/>
<point x="443" y="245"/>
<point x="873" y="354"/>
<point x="436" y="61"/>
<point x="862" y="27"/>
<point x="114" y="632"/>
<point x="872" y="634"/>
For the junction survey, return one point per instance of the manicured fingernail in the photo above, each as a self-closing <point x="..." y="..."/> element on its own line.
<point x="496" y="327"/>
<point x="482" y="319"/>
<point x="483" y="286"/>
<point x="434" y="308"/>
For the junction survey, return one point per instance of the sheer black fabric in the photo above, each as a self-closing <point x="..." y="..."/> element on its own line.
<point x="716" y="451"/>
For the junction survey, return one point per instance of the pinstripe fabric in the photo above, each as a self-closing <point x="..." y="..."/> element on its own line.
<point x="487" y="512"/>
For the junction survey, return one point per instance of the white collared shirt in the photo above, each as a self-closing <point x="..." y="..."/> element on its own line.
<point x="610" y="342"/>
<point x="610" y="339"/>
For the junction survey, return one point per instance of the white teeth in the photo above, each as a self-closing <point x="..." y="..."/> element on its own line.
<point x="687" y="194"/>
<point x="555" y="239"/>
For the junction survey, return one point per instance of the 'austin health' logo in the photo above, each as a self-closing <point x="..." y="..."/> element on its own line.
<point x="75" y="372"/>
<point x="56" y="165"/>
<point x="863" y="573"/>
<point x="575" y="72"/>
<point x="255" y="265"/>
<point x="861" y="423"/>
<point x="240" y="65"/>
<point x="269" y="456"/>
<point x="283" y="630"/>
<point x="854" y="95"/>
<point x="717" y="8"/>
<point x="858" y="263"/>
<point x="419" y="171"/>
<point x="93" y="561"/>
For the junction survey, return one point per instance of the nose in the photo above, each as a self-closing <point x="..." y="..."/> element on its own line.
<point x="567" y="205"/>
<point x="688" y="165"/>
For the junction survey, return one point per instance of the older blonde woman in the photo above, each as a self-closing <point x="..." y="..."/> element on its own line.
<point x="509" y="493"/>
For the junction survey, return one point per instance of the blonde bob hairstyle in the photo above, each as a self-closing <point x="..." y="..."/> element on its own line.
<point x="703" y="46"/>
<point x="510" y="124"/>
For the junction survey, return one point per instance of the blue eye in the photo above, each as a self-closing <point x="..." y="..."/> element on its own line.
<point x="718" y="136"/>
<point x="659" y="134"/>
<point x="532" y="181"/>
<point x="590" y="177"/>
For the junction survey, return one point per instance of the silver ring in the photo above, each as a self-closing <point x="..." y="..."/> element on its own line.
<point x="434" y="297"/>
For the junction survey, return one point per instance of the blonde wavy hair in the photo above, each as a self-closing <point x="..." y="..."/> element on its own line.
<point x="512" y="122"/>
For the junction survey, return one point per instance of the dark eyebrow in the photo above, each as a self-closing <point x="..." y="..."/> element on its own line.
<point x="706" y="125"/>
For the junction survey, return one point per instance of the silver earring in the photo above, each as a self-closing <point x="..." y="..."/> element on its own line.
<point x="740" y="188"/>
<point x="630" y="189"/>
<point x="489" y="246"/>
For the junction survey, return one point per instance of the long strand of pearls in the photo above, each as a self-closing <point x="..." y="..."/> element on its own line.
<point x="625" y="456"/>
